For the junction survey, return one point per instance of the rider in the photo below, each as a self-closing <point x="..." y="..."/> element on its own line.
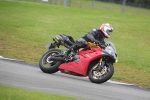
<point x="96" y="36"/>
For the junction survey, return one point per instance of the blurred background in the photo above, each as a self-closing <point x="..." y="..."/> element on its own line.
<point x="92" y="4"/>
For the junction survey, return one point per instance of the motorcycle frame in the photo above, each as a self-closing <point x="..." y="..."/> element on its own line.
<point x="81" y="67"/>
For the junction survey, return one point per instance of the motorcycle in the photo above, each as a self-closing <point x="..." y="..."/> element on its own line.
<point x="92" y="61"/>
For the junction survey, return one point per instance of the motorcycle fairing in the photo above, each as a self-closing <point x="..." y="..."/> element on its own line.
<point x="81" y="67"/>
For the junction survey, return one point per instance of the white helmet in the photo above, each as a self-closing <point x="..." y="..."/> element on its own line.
<point x="106" y="29"/>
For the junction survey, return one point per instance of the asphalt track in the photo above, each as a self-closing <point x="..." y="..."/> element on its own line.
<point x="22" y="75"/>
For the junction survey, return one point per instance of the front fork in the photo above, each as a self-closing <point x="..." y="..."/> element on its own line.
<point x="100" y="65"/>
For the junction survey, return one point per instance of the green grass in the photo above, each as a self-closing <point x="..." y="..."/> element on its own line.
<point x="9" y="93"/>
<point x="25" y="29"/>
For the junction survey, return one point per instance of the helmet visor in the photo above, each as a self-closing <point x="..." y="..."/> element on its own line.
<point x="109" y="31"/>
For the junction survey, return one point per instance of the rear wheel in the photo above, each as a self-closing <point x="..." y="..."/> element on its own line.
<point x="47" y="65"/>
<point x="101" y="76"/>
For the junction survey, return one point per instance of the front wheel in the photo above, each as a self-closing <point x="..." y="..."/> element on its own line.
<point x="47" y="65"/>
<point x="101" y="76"/>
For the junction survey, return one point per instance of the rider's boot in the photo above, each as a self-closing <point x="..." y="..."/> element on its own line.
<point x="71" y="49"/>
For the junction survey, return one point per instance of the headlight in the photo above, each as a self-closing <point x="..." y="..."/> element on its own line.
<point x="110" y="52"/>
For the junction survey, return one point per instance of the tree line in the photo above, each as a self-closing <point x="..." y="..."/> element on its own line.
<point x="137" y="3"/>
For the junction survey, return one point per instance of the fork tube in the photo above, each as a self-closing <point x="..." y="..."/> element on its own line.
<point x="101" y="60"/>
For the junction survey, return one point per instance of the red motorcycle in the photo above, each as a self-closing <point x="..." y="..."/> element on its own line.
<point x="92" y="61"/>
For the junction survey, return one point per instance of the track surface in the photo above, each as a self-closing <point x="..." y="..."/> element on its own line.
<point x="26" y="76"/>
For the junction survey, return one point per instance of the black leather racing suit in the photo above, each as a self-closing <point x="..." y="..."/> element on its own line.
<point x="94" y="35"/>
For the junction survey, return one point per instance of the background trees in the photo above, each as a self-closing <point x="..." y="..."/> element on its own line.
<point x="137" y="3"/>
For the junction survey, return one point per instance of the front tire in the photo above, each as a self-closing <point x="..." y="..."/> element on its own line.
<point x="102" y="76"/>
<point x="47" y="65"/>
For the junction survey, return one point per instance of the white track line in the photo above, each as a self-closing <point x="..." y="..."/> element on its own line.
<point x="118" y="83"/>
<point x="1" y="57"/>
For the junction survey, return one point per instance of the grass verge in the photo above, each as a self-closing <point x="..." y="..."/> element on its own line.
<point x="9" y="93"/>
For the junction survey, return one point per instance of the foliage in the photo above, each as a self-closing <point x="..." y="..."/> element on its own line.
<point x="139" y="3"/>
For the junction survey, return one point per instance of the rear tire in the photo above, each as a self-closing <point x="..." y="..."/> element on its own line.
<point x="101" y="76"/>
<point x="49" y="66"/>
